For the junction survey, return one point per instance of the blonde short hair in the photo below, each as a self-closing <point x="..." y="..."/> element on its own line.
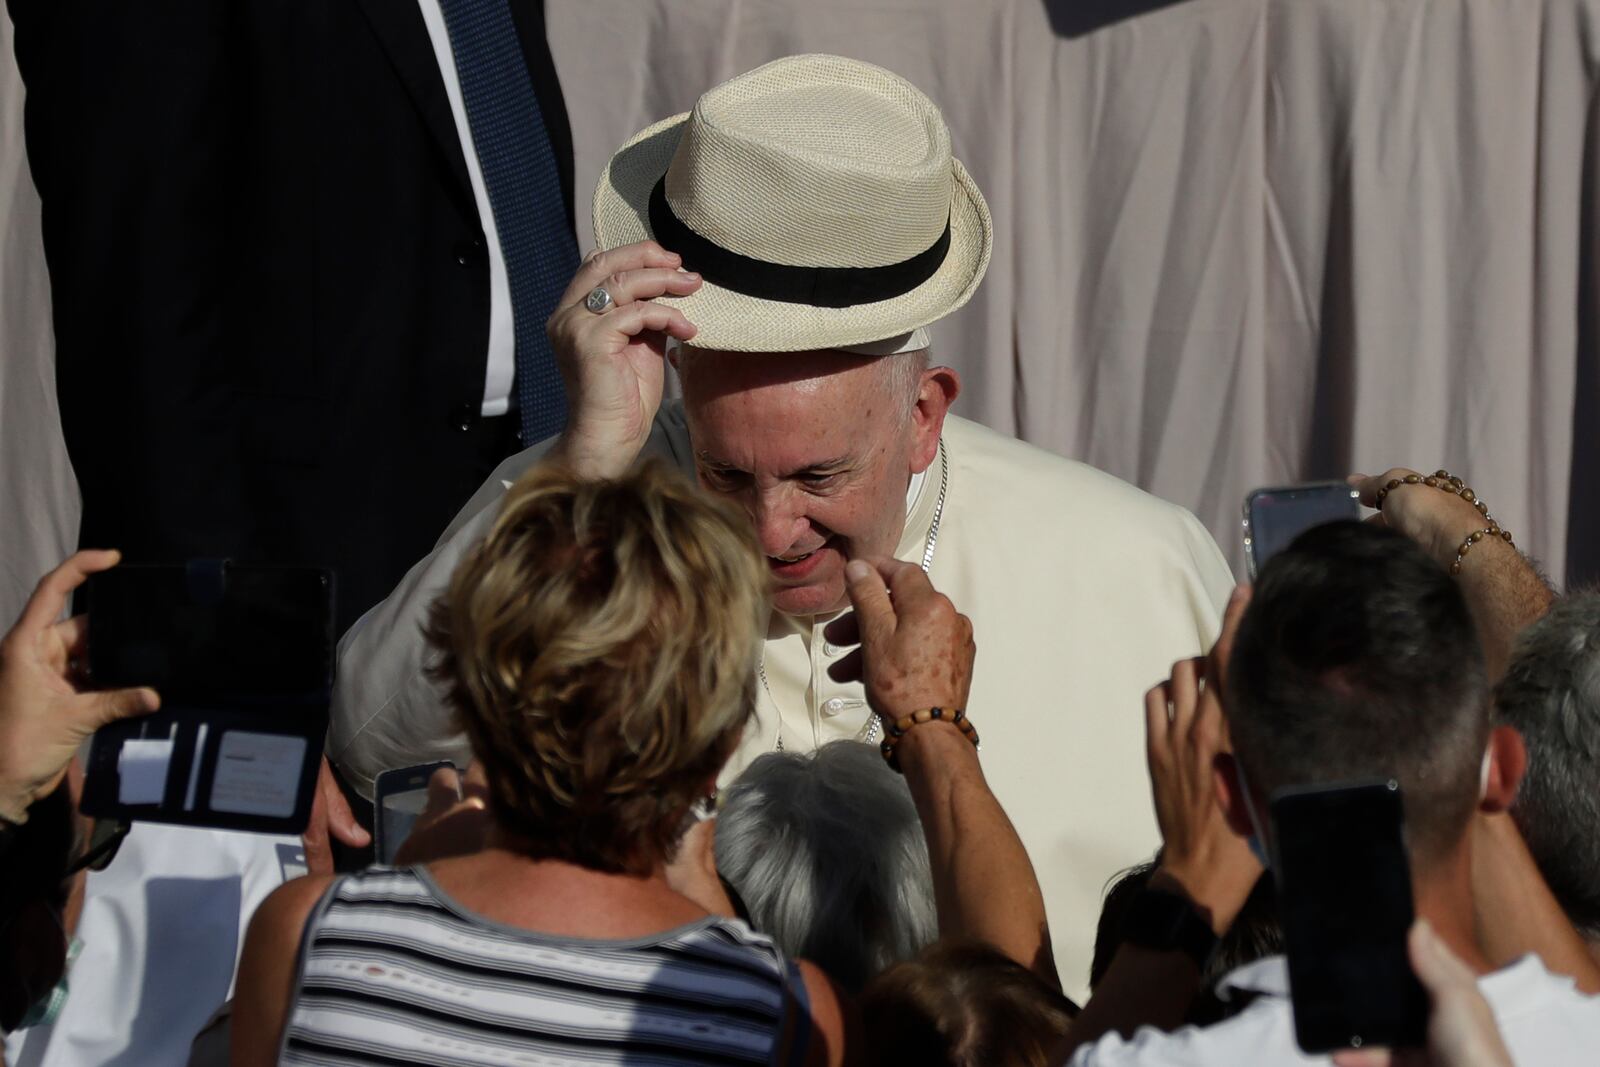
<point x="599" y="649"/>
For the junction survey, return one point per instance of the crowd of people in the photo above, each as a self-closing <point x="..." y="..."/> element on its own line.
<point x="735" y="783"/>
<point x="569" y="902"/>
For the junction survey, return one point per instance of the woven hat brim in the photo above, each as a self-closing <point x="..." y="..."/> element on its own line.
<point x="733" y="322"/>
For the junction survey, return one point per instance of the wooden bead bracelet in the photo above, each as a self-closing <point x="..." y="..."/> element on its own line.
<point x="1447" y="482"/>
<point x="899" y="727"/>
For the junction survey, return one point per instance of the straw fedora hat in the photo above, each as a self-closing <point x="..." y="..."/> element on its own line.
<point x="818" y="199"/>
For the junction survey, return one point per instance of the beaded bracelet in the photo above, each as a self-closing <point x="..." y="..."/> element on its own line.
<point x="899" y="727"/>
<point x="1449" y="483"/>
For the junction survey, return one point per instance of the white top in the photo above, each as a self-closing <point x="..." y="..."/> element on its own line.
<point x="1545" y="1021"/>
<point x="162" y="928"/>
<point x="502" y="336"/>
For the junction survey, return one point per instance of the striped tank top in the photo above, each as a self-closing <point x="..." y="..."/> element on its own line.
<point x="392" y="971"/>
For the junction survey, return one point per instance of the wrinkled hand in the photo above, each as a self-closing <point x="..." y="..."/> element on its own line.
<point x="1185" y="731"/>
<point x="454" y="822"/>
<point x="916" y="648"/>
<point x="1436" y="520"/>
<point x="331" y="819"/>
<point x="613" y="362"/>
<point x="43" y="716"/>
<point x="1461" y="1027"/>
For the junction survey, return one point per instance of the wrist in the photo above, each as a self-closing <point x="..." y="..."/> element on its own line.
<point x="1163" y="919"/>
<point x="931" y="745"/>
<point x="1217" y="893"/>
<point x="1448" y="537"/>
<point x="591" y="457"/>
<point x="931" y="736"/>
<point x="949" y="724"/>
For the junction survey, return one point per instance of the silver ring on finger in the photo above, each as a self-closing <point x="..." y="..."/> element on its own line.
<point x="599" y="300"/>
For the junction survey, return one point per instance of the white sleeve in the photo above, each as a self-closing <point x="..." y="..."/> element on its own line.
<point x="387" y="712"/>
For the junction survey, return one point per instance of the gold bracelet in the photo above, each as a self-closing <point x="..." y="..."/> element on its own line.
<point x="898" y="729"/>
<point x="1449" y="483"/>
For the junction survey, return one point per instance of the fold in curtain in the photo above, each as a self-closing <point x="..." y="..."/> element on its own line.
<point x="1237" y="242"/>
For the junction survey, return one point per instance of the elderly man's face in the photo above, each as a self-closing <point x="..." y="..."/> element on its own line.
<point x="818" y="447"/>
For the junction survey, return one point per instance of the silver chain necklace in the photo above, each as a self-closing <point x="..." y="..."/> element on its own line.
<point x="869" y="733"/>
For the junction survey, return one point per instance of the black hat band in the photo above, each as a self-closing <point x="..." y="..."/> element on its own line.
<point x="827" y="287"/>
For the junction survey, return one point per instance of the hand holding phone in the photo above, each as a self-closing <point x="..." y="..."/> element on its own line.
<point x="242" y="655"/>
<point x="44" y="717"/>
<point x="452" y="818"/>
<point x="1344" y="897"/>
<point x="1462" y="1031"/>
<point x="1437" y="521"/>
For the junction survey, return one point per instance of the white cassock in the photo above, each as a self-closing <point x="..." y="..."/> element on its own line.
<point x="1082" y="590"/>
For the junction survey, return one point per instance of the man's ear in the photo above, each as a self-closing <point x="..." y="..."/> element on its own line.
<point x="1507" y="762"/>
<point x="937" y="391"/>
<point x="1230" y="794"/>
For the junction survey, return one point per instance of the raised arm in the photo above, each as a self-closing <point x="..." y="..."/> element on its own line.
<point x="917" y="654"/>
<point x="1503" y="589"/>
<point x="386" y="711"/>
<point x="613" y="360"/>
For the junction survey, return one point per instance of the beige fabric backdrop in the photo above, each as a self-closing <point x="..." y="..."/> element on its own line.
<point x="38" y="496"/>
<point x="1237" y="242"/>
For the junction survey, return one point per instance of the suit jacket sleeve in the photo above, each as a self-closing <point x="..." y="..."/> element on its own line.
<point x="127" y="136"/>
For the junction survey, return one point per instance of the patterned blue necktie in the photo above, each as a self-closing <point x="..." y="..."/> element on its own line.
<point x="519" y="171"/>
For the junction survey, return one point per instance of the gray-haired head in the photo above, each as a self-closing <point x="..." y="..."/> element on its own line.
<point x="828" y="856"/>
<point x="1551" y="693"/>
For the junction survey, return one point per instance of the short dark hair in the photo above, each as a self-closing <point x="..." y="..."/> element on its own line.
<point x="963" y="1004"/>
<point x="1551" y="693"/>
<point x="1357" y="658"/>
<point x="1254" y="935"/>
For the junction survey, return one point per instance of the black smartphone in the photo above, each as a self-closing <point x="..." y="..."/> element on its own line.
<point x="1344" y="897"/>
<point x="399" y="795"/>
<point x="1274" y="517"/>
<point x="213" y="630"/>
<point x="243" y="659"/>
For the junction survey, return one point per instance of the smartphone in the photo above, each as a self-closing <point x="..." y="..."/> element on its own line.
<point x="1274" y="517"/>
<point x="243" y="659"/>
<point x="213" y="630"/>
<point x="1344" y="898"/>
<point x="399" y="795"/>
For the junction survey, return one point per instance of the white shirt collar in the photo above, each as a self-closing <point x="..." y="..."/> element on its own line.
<point x="914" y="490"/>
<point x="1268" y="975"/>
<point x="1527" y="980"/>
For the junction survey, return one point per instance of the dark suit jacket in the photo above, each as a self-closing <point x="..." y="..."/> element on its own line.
<point x="270" y="285"/>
